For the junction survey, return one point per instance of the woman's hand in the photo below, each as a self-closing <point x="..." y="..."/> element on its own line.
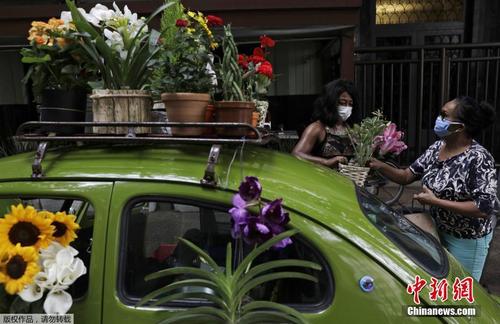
<point x="334" y="161"/>
<point x="375" y="164"/>
<point x="426" y="197"/>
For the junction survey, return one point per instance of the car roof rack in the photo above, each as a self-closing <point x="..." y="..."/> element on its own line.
<point x="47" y="132"/>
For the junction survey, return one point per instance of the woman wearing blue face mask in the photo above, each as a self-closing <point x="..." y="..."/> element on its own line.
<point x="325" y="140"/>
<point x="459" y="180"/>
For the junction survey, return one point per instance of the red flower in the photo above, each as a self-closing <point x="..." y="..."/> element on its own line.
<point x="255" y="59"/>
<point x="266" y="41"/>
<point x="265" y="68"/>
<point x="214" y="21"/>
<point x="258" y="52"/>
<point x="181" y="23"/>
<point x="243" y="61"/>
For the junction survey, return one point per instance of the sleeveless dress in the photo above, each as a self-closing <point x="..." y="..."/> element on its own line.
<point x="336" y="143"/>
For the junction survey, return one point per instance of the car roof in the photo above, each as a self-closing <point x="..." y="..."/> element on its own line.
<point x="317" y="192"/>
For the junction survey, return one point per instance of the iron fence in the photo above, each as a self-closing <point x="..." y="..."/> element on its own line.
<point x="410" y="84"/>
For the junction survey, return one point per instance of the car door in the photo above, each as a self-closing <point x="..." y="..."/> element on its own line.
<point x="146" y="220"/>
<point x="89" y="201"/>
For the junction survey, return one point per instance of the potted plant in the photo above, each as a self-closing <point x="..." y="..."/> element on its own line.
<point x="123" y="49"/>
<point x="257" y="77"/>
<point x="58" y="71"/>
<point x="228" y="288"/>
<point x="244" y="80"/>
<point x="184" y="76"/>
<point x="373" y="136"/>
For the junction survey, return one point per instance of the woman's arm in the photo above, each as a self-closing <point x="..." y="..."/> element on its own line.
<point x="313" y="134"/>
<point x="466" y="208"/>
<point x="401" y="176"/>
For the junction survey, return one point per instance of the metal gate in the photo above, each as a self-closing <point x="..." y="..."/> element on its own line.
<point x="410" y="84"/>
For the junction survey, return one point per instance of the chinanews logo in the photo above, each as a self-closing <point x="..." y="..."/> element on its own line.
<point x="439" y="291"/>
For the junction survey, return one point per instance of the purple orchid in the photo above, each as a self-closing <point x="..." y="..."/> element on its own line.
<point x="250" y="189"/>
<point x="390" y="141"/>
<point x="253" y="228"/>
<point x="239" y="218"/>
<point x="283" y="243"/>
<point x="238" y="202"/>
<point x="275" y="216"/>
<point x="255" y="231"/>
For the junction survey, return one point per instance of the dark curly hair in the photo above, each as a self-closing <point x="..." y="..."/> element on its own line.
<point x="475" y="116"/>
<point x="325" y="106"/>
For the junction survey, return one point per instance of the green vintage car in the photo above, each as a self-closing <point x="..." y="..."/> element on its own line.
<point x="134" y="201"/>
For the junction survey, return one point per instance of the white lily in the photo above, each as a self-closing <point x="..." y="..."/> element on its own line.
<point x="117" y="9"/>
<point x="66" y="17"/>
<point x="60" y="269"/>
<point x="57" y="302"/>
<point x="48" y="278"/>
<point x="115" y="41"/>
<point x="68" y="275"/>
<point x="50" y="252"/>
<point x="100" y="13"/>
<point x="64" y="258"/>
<point x="132" y="17"/>
<point x="113" y="38"/>
<point x="31" y="293"/>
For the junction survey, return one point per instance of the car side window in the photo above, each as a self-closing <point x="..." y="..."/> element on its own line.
<point x="85" y="218"/>
<point x="150" y="231"/>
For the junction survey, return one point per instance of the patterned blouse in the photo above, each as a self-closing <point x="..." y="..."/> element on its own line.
<point x="467" y="176"/>
<point x="336" y="143"/>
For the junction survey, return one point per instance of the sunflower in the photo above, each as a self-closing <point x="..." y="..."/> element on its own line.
<point x="26" y="227"/>
<point x="19" y="269"/>
<point x="65" y="227"/>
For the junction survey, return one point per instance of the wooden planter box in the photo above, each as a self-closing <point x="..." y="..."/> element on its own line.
<point x="121" y="106"/>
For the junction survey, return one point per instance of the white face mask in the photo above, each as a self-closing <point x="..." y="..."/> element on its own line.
<point x="344" y="112"/>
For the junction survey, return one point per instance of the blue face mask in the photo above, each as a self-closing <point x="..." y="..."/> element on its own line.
<point x="441" y="127"/>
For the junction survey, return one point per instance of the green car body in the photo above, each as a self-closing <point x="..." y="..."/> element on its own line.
<point x="323" y="205"/>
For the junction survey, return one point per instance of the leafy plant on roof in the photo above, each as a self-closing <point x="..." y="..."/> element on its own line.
<point x="118" y="43"/>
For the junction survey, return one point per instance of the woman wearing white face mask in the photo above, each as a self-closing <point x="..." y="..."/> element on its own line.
<point x="325" y="140"/>
<point x="459" y="181"/>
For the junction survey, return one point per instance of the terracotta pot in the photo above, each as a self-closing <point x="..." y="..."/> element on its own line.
<point x="186" y="107"/>
<point x="234" y="112"/>
<point x="121" y="106"/>
<point x="209" y="118"/>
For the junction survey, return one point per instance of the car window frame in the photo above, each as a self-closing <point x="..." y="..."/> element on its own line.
<point x="126" y="299"/>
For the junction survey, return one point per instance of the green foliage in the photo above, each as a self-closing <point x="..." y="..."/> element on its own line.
<point x="168" y="35"/>
<point x="362" y="136"/>
<point x="116" y="72"/>
<point x="230" y="73"/>
<point x="185" y="54"/>
<point x="168" y="19"/>
<point x="228" y="290"/>
<point x="183" y="67"/>
<point x="58" y="65"/>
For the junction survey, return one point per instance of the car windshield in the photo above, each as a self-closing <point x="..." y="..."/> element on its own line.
<point x="421" y="247"/>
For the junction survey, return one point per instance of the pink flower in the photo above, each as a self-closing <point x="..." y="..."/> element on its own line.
<point x="390" y="141"/>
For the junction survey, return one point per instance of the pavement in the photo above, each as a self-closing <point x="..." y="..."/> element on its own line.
<point x="491" y="273"/>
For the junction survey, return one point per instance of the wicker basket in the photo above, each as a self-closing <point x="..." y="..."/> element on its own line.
<point x="355" y="173"/>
